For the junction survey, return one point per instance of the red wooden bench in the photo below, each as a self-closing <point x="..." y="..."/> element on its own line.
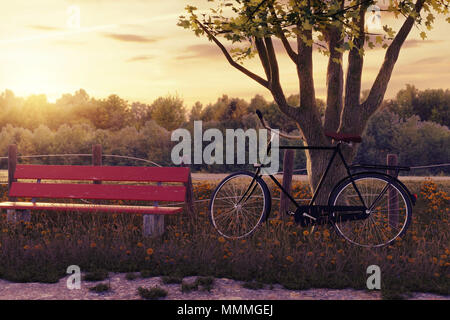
<point x="57" y="182"/>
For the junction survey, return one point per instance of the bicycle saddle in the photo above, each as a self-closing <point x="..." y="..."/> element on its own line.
<point x="344" y="137"/>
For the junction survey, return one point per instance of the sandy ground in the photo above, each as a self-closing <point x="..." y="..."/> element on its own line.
<point x="223" y="289"/>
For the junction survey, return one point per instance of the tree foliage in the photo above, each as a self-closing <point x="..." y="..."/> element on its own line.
<point x="429" y="105"/>
<point x="169" y="112"/>
<point x="333" y="27"/>
<point x="417" y="141"/>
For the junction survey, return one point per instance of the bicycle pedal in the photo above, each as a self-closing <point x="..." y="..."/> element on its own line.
<point x="305" y="216"/>
<point x="309" y="216"/>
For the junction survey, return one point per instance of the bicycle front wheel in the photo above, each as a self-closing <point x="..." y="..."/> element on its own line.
<point x="240" y="203"/>
<point x="388" y="206"/>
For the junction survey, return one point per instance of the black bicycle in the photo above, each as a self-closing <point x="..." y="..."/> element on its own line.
<point x="367" y="208"/>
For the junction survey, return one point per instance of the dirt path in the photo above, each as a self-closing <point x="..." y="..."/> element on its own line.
<point x="223" y="289"/>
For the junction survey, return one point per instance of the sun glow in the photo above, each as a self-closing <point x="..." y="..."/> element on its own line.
<point x="136" y="50"/>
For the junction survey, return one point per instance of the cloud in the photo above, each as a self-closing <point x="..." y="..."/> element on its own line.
<point x="413" y="43"/>
<point x="200" y="51"/>
<point x="129" y="38"/>
<point x="45" y="28"/>
<point x="425" y="67"/>
<point x="140" y="58"/>
<point x="410" y="43"/>
<point x="430" y="60"/>
<point x="68" y="42"/>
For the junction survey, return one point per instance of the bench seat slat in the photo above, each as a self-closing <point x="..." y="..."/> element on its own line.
<point x="98" y="191"/>
<point x="102" y="173"/>
<point x="89" y="208"/>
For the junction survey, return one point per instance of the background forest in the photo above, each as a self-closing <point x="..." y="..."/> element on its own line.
<point x="414" y="125"/>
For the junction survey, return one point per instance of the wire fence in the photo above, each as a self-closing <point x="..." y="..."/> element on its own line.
<point x="4" y="179"/>
<point x="158" y="165"/>
<point x="85" y="155"/>
<point x="412" y="168"/>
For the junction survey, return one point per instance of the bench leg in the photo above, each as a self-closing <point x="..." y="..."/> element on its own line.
<point x="153" y="225"/>
<point x="14" y="216"/>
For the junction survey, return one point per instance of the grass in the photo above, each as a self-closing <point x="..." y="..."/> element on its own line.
<point x="100" y="288"/>
<point x="130" y="276"/>
<point x="202" y="283"/>
<point x="187" y="287"/>
<point x="171" y="280"/>
<point x="152" y="293"/>
<point x="253" y="285"/>
<point x="148" y="273"/>
<point x="206" y="283"/>
<point x="279" y="252"/>
<point x="96" y="275"/>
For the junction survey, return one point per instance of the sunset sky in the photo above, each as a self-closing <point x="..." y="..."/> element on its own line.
<point x="133" y="48"/>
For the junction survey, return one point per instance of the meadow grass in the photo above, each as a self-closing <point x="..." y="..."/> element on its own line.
<point x="280" y="251"/>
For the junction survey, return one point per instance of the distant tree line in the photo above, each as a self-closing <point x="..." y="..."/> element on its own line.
<point x="414" y="125"/>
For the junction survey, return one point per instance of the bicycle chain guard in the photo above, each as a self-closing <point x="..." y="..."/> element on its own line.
<point x="310" y="215"/>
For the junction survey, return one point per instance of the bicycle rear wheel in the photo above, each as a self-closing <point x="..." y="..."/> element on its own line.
<point x="389" y="209"/>
<point x="239" y="205"/>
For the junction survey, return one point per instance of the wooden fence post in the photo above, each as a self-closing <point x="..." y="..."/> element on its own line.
<point x="12" y="162"/>
<point x="14" y="216"/>
<point x="288" y="169"/>
<point x="393" y="208"/>
<point x="97" y="157"/>
<point x="153" y="225"/>
<point x="190" y="208"/>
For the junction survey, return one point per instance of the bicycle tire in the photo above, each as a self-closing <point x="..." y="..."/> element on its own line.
<point x="387" y="222"/>
<point x="233" y="226"/>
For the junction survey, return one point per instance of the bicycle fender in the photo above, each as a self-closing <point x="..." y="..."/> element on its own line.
<point x="411" y="196"/>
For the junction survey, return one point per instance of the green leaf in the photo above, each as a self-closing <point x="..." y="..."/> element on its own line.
<point x="379" y="39"/>
<point x="306" y="25"/>
<point x="336" y="60"/>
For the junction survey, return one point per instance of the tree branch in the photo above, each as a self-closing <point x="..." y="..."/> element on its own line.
<point x="335" y="81"/>
<point x="287" y="46"/>
<point x="275" y="85"/>
<point x="262" y="52"/>
<point x="305" y="70"/>
<point x="275" y="72"/>
<point x="376" y="94"/>
<point x="350" y="120"/>
<point x="335" y="77"/>
<point x="236" y="65"/>
<point x="308" y="118"/>
<point x="355" y="65"/>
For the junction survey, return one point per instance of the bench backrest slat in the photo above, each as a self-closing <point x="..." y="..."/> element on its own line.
<point x="102" y="173"/>
<point x="98" y="191"/>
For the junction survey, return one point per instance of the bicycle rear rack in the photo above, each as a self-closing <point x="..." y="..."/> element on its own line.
<point x="394" y="169"/>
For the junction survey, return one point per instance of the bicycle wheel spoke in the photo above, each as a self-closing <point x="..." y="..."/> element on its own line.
<point x="238" y="205"/>
<point x="388" y="213"/>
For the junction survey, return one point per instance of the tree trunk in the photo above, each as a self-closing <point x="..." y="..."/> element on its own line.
<point x="317" y="162"/>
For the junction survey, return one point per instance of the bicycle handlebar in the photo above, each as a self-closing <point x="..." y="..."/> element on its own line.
<point x="260" y="116"/>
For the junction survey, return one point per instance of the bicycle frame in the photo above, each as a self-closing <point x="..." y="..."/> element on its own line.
<point x="336" y="152"/>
